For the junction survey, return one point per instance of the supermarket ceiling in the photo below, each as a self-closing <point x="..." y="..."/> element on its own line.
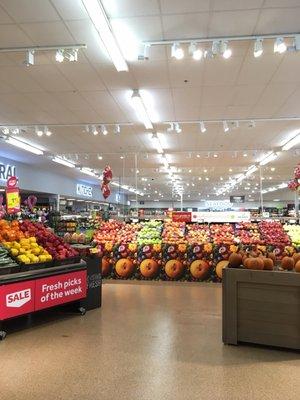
<point x="81" y="96"/>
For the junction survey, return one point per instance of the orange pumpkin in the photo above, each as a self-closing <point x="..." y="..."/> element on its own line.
<point x="124" y="267"/>
<point x="174" y="269"/>
<point x="149" y="268"/>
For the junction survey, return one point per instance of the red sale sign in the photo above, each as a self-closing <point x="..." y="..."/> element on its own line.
<point x="16" y="299"/>
<point x="59" y="289"/>
<point x="181" y="216"/>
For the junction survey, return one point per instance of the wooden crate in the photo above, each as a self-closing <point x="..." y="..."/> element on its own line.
<point x="261" y="307"/>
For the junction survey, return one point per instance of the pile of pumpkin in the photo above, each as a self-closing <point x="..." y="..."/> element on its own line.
<point x="258" y="261"/>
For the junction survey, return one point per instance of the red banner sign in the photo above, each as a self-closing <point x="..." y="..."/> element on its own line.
<point x="13" y="201"/>
<point x="28" y="296"/>
<point x="182" y="216"/>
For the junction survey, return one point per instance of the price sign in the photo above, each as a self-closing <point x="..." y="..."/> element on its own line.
<point x="13" y="201"/>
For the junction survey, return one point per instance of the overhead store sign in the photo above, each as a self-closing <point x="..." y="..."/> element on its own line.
<point x="217" y="204"/>
<point x="221" y="216"/>
<point x="85" y="191"/>
<point x="13" y="200"/>
<point x="6" y="171"/>
<point x="181" y="216"/>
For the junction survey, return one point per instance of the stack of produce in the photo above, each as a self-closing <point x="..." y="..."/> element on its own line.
<point x="198" y="234"/>
<point x="54" y="245"/>
<point x="5" y="259"/>
<point x="248" y="233"/>
<point x="128" y="233"/>
<point x="150" y="233"/>
<point x="108" y="231"/>
<point x="10" y="231"/>
<point x="27" y="251"/>
<point x="273" y="234"/>
<point x="294" y="233"/>
<point x="222" y="234"/>
<point x="79" y="238"/>
<point x="173" y="232"/>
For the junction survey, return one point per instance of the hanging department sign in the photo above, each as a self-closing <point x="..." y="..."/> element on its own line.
<point x="13" y="201"/>
<point x="6" y="171"/>
<point x="85" y="191"/>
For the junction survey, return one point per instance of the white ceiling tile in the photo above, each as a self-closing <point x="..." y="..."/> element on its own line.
<point x="50" y="78"/>
<point x="288" y="70"/>
<point x="237" y="112"/>
<point x="291" y="107"/>
<point x="4" y="17"/>
<point x="82" y="76"/>
<point x="185" y="25"/>
<point x="48" y="33"/>
<point x="280" y="3"/>
<point x="272" y="99"/>
<point x="258" y="70"/>
<point x="186" y="70"/>
<point x="30" y="10"/>
<point x="216" y="95"/>
<point x="187" y="6"/>
<point x="150" y="73"/>
<point x="113" y="79"/>
<point x="219" y="71"/>
<point x="187" y="103"/>
<point x="130" y="8"/>
<point x="141" y="28"/>
<point x="13" y="36"/>
<point x="233" y="23"/>
<point x="279" y="20"/>
<point x="72" y="100"/>
<point x="105" y="105"/>
<point x="244" y="95"/>
<point x="70" y="9"/>
<point x="216" y="112"/>
<point x="20" y="79"/>
<point x="163" y="104"/>
<point x="236" y="4"/>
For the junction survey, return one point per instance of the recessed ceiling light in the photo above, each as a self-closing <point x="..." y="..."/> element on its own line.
<point x="205" y="170"/>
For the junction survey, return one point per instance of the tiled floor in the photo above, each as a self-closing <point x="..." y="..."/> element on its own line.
<point x="151" y="341"/>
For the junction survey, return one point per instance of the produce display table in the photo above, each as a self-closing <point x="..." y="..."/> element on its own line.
<point x="27" y="292"/>
<point x="261" y="307"/>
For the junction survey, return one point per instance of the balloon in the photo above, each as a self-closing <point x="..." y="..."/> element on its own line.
<point x="107" y="177"/>
<point x="32" y="200"/>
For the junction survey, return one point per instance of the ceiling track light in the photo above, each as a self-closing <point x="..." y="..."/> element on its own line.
<point x="47" y="131"/>
<point x="195" y="51"/>
<point x="225" y="126"/>
<point x="177" y="51"/>
<point x="94" y="130"/>
<point x="280" y="45"/>
<point x="140" y="109"/>
<point x="104" y="131"/>
<point x="225" y="50"/>
<point x="202" y="127"/>
<point x="5" y="131"/>
<point x="59" y="55"/>
<point x="117" y="129"/>
<point x="38" y="131"/>
<point x="177" y="127"/>
<point x="258" y="48"/>
<point x="101" y="22"/>
<point x="29" y="60"/>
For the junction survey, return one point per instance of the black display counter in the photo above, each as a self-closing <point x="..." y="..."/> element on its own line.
<point x="25" y="293"/>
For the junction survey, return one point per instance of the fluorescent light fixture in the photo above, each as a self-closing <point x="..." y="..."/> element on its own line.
<point x="225" y="126"/>
<point x="258" y="48"/>
<point x="24" y="146"/>
<point x="251" y="170"/>
<point x="195" y="51"/>
<point x="140" y="109"/>
<point x="59" y="56"/>
<point x="292" y="142"/>
<point x="88" y="171"/>
<point x="202" y="127"/>
<point x="61" y="161"/>
<point x="225" y="50"/>
<point x="177" y="51"/>
<point x="104" y="131"/>
<point x="279" y="45"/>
<point x="102" y="25"/>
<point x="268" y="158"/>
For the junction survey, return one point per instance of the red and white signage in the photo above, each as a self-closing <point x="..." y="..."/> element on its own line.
<point x="181" y="216"/>
<point x="59" y="289"/>
<point x="28" y="296"/>
<point x="16" y="299"/>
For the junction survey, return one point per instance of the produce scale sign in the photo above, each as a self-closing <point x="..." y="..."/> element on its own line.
<point x="13" y="201"/>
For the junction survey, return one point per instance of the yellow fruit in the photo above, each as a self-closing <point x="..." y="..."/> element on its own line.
<point x="35" y="251"/>
<point x="14" y="252"/>
<point x="26" y="260"/>
<point x="34" y="260"/>
<point x="21" y="250"/>
<point x="34" y="245"/>
<point x="48" y="257"/>
<point x="42" y="258"/>
<point x="32" y="239"/>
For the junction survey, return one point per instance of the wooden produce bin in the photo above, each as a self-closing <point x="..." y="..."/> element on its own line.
<point x="261" y="307"/>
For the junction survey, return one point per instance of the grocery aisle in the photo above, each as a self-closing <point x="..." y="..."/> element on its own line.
<point x="153" y="340"/>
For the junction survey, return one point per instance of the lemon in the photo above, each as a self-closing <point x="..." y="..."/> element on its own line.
<point x="42" y="258"/>
<point x="14" y="252"/>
